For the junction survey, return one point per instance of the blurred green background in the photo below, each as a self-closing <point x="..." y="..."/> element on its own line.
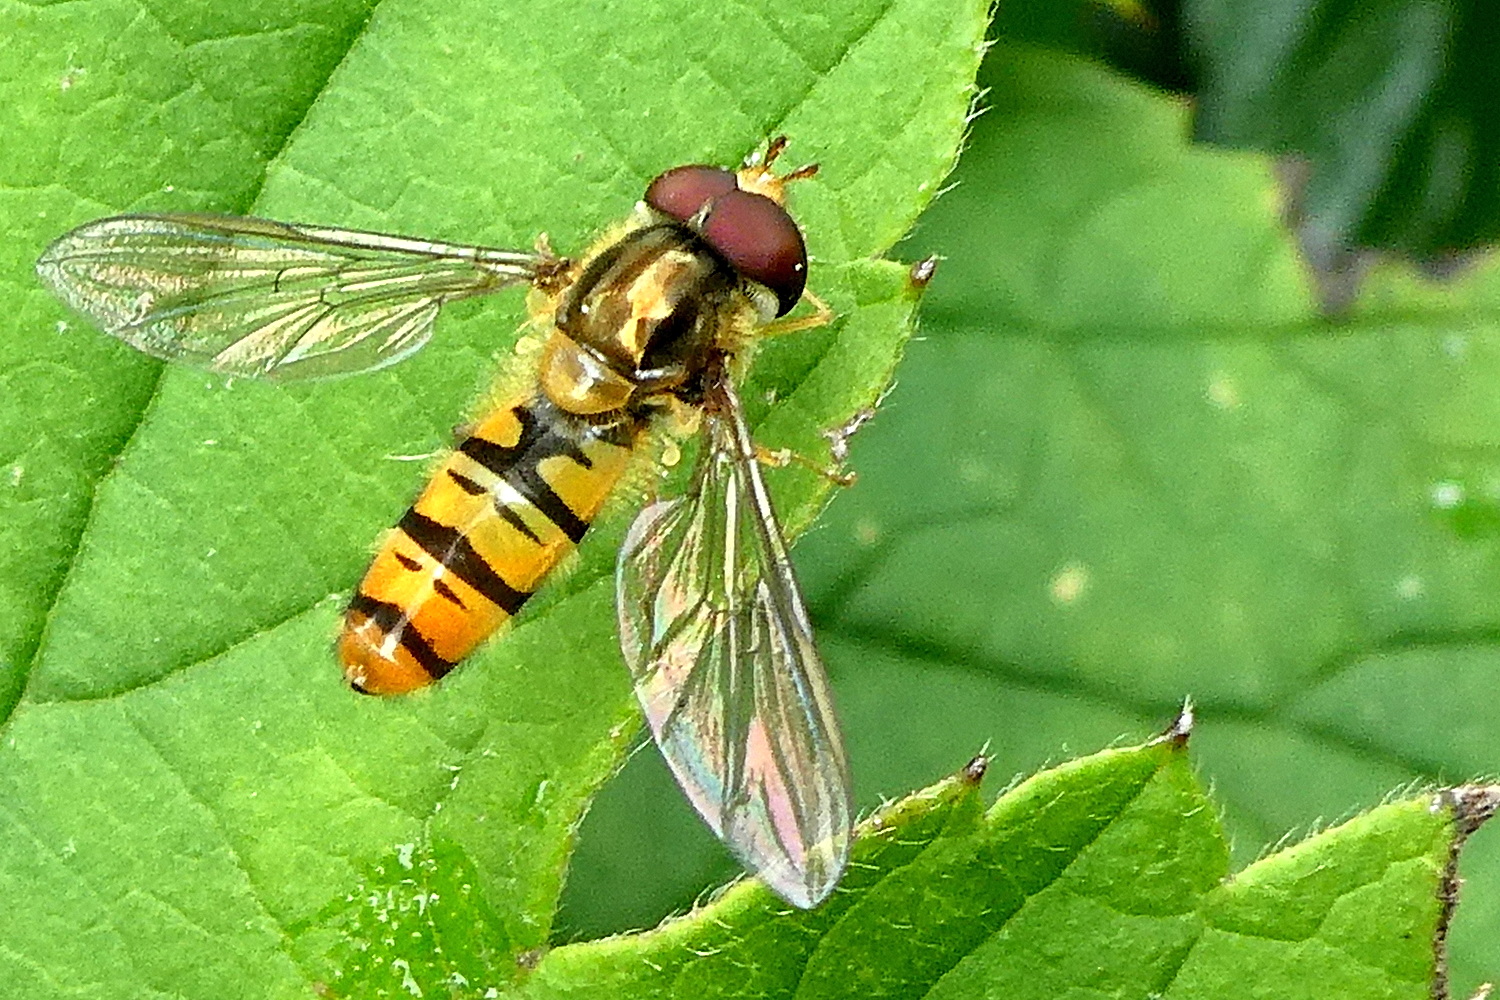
<point x="1133" y="456"/>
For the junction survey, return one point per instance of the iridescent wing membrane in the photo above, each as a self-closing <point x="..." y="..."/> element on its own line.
<point x="715" y="632"/>
<point x="254" y="297"/>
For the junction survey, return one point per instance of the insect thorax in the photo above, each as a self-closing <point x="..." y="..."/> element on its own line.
<point x="643" y="319"/>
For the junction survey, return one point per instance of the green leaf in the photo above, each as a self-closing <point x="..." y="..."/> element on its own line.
<point x="191" y="802"/>
<point x="1105" y="877"/>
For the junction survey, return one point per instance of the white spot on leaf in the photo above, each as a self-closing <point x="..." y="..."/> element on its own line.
<point x="1223" y="392"/>
<point x="1447" y="494"/>
<point x="1069" y="584"/>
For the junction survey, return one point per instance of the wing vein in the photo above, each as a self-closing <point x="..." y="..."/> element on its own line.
<point x="716" y="635"/>
<point x="248" y="296"/>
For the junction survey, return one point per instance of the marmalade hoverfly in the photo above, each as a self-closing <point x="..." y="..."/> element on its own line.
<point x="654" y="319"/>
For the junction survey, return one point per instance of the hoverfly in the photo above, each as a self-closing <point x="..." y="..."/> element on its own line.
<point x="654" y="320"/>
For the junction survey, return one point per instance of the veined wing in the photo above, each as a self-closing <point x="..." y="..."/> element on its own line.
<point x="716" y="635"/>
<point x="269" y="299"/>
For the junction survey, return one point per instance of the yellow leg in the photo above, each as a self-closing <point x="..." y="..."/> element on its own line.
<point x="755" y="173"/>
<point x="780" y="458"/>
<point x="820" y="316"/>
<point x="838" y="438"/>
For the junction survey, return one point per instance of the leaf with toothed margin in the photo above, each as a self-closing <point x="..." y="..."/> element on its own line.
<point x="187" y="791"/>
<point x="1108" y="876"/>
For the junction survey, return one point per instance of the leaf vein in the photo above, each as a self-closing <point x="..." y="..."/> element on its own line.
<point x="214" y="823"/>
<point x="29" y="659"/>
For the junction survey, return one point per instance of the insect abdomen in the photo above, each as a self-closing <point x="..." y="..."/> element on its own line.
<point x="506" y="507"/>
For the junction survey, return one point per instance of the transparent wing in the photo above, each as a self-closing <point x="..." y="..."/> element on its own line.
<point x="717" y="637"/>
<point x="268" y="299"/>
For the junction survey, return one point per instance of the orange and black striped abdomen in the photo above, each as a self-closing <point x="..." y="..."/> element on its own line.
<point x="506" y="507"/>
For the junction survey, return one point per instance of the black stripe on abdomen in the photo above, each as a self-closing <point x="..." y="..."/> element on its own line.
<point x="516" y="521"/>
<point x="456" y="554"/>
<point x="392" y="620"/>
<point x="519" y="469"/>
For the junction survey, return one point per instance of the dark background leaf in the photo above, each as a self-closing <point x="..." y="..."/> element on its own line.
<point x="1387" y="108"/>
<point x="1391" y="103"/>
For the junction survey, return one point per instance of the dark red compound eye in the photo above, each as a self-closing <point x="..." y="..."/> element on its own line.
<point x="753" y="233"/>
<point x="682" y="191"/>
<point x="759" y="238"/>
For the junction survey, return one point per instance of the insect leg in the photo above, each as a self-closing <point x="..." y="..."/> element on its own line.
<point x="780" y="458"/>
<point x="821" y="315"/>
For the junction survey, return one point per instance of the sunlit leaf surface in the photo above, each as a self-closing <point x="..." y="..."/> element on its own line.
<point x="192" y="802"/>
